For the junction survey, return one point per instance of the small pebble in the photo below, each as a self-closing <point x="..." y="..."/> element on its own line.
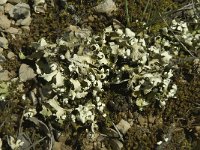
<point x="11" y="55"/>
<point x="21" y="12"/>
<point x="5" y="76"/>
<point x="107" y="6"/>
<point x="4" y="22"/>
<point x="1" y="50"/>
<point x="1" y="10"/>
<point x="2" y="2"/>
<point x="27" y="28"/>
<point x="3" y="42"/>
<point x="2" y="58"/>
<point x="8" y="7"/>
<point x="123" y="126"/>
<point x="26" y="73"/>
<point x="91" y="18"/>
<point x="1" y="68"/>
<point x="12" y="30"/>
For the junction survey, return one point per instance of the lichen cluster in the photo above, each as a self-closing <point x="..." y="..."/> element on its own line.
<point x="80" y="65"/>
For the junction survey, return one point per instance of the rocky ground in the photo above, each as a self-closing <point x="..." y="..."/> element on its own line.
<point x="125" y="126"/>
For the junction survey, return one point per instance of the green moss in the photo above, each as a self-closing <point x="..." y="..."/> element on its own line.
<point x="151" y="12"/>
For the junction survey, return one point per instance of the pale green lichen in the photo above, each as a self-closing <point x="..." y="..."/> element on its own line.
<point x="81" y="65"/>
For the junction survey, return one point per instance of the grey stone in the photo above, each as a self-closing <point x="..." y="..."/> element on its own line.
<point x="2" y="2"/>
<point x="107" y="6"/>
<point x="21" y="13"/>
<point x="26" y="28"/>
<point x="26" y="73"/>
<point x="1" y="50"/>
<point x="5" y="75"/>
<point x="8" y="7"/>
<point x="3" y="42"/>
<point x="24" y="22"/>
<point x="11" y="55"/>
<point x="123" y="126"/>
<point x="4" y="22"/>
<point x="2" y="58"/>
<point x="1" y="10"/>
<point x="1" y="68"/>
<point x="13" y="30"/>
